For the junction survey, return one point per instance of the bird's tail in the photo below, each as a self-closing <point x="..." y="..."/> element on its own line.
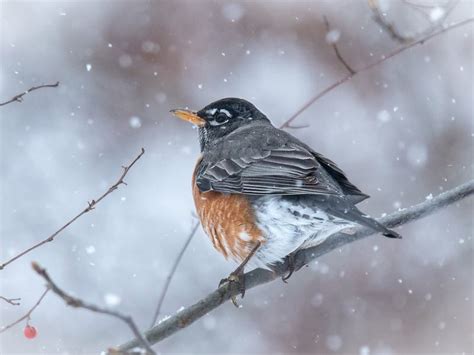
<point x="376" y="225"/>
<point x="353" y="214"/>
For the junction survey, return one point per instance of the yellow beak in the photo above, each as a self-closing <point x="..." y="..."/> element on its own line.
<point x="190" y="116"/>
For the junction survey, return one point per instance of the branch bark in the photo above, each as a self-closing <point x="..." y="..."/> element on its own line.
<point x="78" y="303"/>
<point x="260" y="276"/>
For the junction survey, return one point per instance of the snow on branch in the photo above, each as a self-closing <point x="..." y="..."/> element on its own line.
<point x="260" y="276"/>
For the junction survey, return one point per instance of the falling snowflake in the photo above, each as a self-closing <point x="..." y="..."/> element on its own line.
<point x="436" y="14"/>
<point x="233" y="12"/>
<point x="135" y="122"/>
<point x="333" y="36"/>
<point x="125" y="61"/>
<point x="112" y="300"/>
<point x="334" y="342"/>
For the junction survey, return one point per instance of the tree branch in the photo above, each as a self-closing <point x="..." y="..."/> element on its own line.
<point x="384" y="58"/>
<point x="336" y="49"/>
<point x="260" y="276"/>
<point x="381" y="20"/>
<point x="12" y="301"/>
<point x="19" y="97"/>
<point x="171" y="274"/>
<point x="90" y="207"/>
<point x="27" y="315"/>
<point x="78" y="303"/>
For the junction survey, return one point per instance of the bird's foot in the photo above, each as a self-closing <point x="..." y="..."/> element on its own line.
<point x="236" y="277"/>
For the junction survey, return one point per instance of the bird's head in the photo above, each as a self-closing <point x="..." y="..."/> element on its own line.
<point x="220" y="118"/>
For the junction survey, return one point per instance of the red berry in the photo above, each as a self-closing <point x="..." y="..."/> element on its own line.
<point x="29" y="331"/>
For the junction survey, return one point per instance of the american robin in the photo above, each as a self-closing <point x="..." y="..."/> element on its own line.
<point x="260" y="193"/>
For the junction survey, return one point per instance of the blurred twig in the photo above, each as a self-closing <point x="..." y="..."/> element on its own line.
<point x="351" y="71"/>
<point x="19" y="97"/>
<point x="336" y="49"/>
<point x="260" y="276"/>
<point x="422" y="8"/>
<point x="27" y="315"/>
<point x="12" y="301"/>
<point x="90" y="207"/>
<point x="384" y="58"/>
<point x="78" y="303"/>
<point x="381" y="18"/>
<point x="171" y="274"/>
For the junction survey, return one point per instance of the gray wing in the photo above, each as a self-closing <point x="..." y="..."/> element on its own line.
<point x="349" y="189"/>
<point x="286" y="169"/>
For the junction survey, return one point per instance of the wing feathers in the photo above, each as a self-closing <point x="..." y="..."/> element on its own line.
<point x="278" y="164"/>
<point x="285" y="170"/>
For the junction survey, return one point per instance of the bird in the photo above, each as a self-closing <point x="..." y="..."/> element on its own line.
<point x="261" y="194"/>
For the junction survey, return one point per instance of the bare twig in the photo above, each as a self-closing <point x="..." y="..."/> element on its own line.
<point x="384" y="58"/>
<point x="336" y="49"/>
<point x="12" y="301"/>
<point x="78" y="303"/>
<point x="90" y="207"/>
<point x="19" y="97"/>
<point x="171" y="274"/>
<point x="260" y="276"/>
<point x="425" y="9"/>
<point x="381" y="18"/>
<point x="27" y="315"/>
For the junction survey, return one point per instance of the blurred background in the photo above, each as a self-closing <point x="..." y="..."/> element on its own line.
<point x="402" y="132"/>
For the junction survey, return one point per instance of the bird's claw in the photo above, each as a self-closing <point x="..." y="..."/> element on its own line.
<point x="237" y="278"/>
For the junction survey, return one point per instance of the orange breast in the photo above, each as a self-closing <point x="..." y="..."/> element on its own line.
<point x="228" y="220"/>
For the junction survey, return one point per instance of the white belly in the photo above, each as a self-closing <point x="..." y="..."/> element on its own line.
<point x="289" y="225"/>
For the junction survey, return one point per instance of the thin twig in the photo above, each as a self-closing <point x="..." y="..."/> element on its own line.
<point x="12" y="301"/>
<point x="260" y="276"/>
<point x="422" y="9"/>
<point x="171" y="274"/>
<point x="380" y="18"/>
<point x="27" y="316"/>
<point x="336" y="49"/>
<point x="78" y="303"/>
<point x="384" y="58"/>
<point x="19" y="97"/>
<point x="90" y="207"/>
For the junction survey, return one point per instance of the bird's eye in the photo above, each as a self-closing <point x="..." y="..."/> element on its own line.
<point x="219" y="119"/>
<point x="222" y="118"/>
